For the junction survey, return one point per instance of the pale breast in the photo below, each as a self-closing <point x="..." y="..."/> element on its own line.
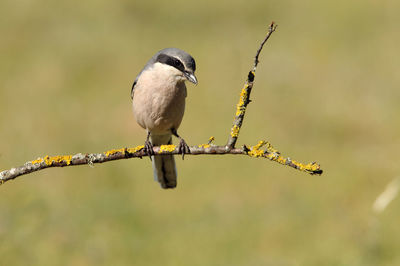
<point x="159" y="101"/>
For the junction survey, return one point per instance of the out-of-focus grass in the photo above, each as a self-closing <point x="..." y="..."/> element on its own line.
<point x="326" y="89"/>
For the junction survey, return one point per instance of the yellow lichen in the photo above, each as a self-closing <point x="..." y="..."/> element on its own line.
<point x="256" y="153"/>
<point x="235" y="131"/>
<point x="135" y="149"/>
<point x="314" y="167"/>
<point x="280" y="160"/>
<point x="239" y="110"/>
<point x="61" y="158"/>
<point x="54" y="159"/>
<point x="270" y="148"/>
<point x="208" y="145"/>
<point x="298" y="165"/>
<point x="204" y="146"/>
<point x="168" y="148"/>
<point x="310" y="167"/>
<point x="274" y="155"/>
<point x="38" y="160"/>
<point x="47" y="160"/>
<point x="112" y="152"/>
<point x="243" y="97"/>
<point x="255" y="150"/>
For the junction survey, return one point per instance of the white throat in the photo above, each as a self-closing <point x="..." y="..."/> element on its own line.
<point x="167" y="72"/>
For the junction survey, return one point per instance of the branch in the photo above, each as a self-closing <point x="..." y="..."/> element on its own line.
<point x="138" y="152"/>
<point x="244" y="99"/>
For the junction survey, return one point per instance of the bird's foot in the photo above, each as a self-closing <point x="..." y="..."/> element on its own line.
<point x="183" y="148"/>
<point x="148" y="148"/>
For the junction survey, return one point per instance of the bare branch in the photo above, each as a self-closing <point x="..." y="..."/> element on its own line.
<point x="271" y="29"/>
<point x="244" y="99"/>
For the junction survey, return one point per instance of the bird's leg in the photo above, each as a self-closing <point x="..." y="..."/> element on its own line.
<point x="183" y="148"/>
<point x="148" y="146"/>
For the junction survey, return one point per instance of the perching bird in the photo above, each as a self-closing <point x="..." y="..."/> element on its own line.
<point x="158" y="95"/>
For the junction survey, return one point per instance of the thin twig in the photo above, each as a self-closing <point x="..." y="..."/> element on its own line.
<point x="271" y="29"/>
<point x="244" y="99"/>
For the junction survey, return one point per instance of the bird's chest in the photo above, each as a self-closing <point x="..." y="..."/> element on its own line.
<point x="160" y="107"/>
<point x="168" y="103"/>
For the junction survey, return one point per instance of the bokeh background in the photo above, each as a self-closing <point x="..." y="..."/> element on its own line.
<point x="326" y="90"/>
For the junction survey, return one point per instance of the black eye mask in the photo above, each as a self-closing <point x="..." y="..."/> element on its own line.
<point x="172" y="61"/>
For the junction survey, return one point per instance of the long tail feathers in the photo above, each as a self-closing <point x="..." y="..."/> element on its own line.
<point x="164" y="168"/>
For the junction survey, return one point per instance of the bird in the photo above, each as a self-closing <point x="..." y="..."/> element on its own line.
<point x="158" y="100"/>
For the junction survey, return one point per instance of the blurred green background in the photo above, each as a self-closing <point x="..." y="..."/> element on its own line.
<point x="326" y="90"/>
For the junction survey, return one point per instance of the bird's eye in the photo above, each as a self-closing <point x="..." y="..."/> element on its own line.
<point x="177" y="63"/>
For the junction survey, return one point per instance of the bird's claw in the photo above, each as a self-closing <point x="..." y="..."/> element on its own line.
<point x="148" y="148"/>
<point x="183" y="148"/>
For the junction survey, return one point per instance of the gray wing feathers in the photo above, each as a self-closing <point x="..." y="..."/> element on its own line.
<point x="164" y="168"/>
<point x="148" y="65"/>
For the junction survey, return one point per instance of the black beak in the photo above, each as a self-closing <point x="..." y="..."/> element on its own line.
<point x="191" y="77"/>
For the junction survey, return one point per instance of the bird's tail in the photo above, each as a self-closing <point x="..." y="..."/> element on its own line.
<point x="164" y="168"/>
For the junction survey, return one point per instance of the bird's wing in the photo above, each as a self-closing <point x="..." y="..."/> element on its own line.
<point x="147" y="66"/>
<point x="133" y="87"/>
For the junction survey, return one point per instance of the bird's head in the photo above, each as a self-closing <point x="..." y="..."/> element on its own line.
<point x="179" y="60"/>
